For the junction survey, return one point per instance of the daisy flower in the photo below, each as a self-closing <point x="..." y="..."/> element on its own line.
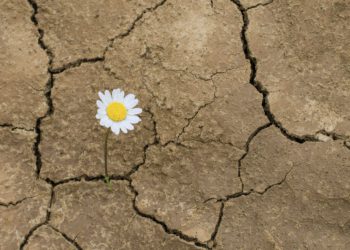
<point x="118" y="112"/>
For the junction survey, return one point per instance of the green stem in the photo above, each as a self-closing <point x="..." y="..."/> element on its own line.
<point x="106" y="154"/>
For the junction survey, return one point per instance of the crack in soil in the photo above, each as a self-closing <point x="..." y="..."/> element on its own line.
<point x="190" y="119"/>
<point x="333" y="135"/>
<point x="14" y="203"/>
<point x="246" y="147"/>
<point x="49" y="86"/>
<point x="260" y="4"/>
<point x="145" y="148"/>
<point x="212" y="242"/>
<point x="67" y="238"/>
<point x="75" y="64"/>
<point x="133" y="25"/>
<point x="34" y="228"/>
<point x="13" y="127"/>
<point x="259" y="87"/>
<point x="86" y="178"/>
<point x="166" y="228"/>
<point x="237" y="195"/>
<point x="275" y="184"/>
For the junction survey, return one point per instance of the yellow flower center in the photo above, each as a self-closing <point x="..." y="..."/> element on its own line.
<point x="116" y="111"/>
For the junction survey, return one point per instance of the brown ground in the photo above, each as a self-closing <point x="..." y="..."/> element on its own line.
<point x="245" y="135"/>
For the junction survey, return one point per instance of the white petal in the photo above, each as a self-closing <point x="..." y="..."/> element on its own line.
<point x="115" y="93"/>
<point x="123" y="126"/>
<point x="116" y="128"/>
<point x="100" y="104"/>
<point x="133" y="119"/>
<point x="102" y="97"/>
<point x="119" y="97"/>
<point x="106" y="122"/>
<point x="123" y="129"/>
<point x="129" y="97"/>
<point x="131" y="104"/>
<point x="108" y="96"/>
<point x="102" y="111"/>
<point x="134" y="111"/>
<point x="99" y="116"/>
<point x="109" y="123"/>
<point x="129" y="126"/>
<point x="102" y="122"/>
<point x="130" y="101"/>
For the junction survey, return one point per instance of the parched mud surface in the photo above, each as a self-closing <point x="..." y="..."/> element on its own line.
<point x="245" y="136"/>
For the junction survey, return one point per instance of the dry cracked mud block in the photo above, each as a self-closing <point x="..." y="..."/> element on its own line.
<point x="23" y="67"/>
<point x="72" y="138"/>
<point x="99" y="217"/>
<point x="23" y="198"/>
<point x="175" y="51"/>
<point x="290" y="216"/>
<point x="47" y="238"/>
<point x="234" y="115"/>
<point x="80" y="29"/>
<point x="272" y="156"/>
<point x="310" y="209"/>
<point x="177" y="182"/>
<point x="17" y="220"/>
<point x="303" y="56"/>
<point x="17" y="162"/>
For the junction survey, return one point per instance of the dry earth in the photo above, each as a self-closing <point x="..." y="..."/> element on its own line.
<point x="245" y="135"/>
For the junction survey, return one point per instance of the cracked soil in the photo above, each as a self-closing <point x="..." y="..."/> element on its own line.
<point x="245" y="136"/>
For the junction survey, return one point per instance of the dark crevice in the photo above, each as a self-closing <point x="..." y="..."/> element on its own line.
<point x="137" y="166"/>
<point x="33" y="229"/>
<point x="217" y="226"/>
<point x="14" y="203"/>
<point x="48" y="88"/>
<point x="244" y="193"/>
<point x="259" y="87"/>
<point x="37" y="128"/>
<point x="85" y="177"/>
<point x="37" y="153"/>
<point x="211" y="3"/>
<point x="234" y="196"/>
<point x="273" y="185"/>
<point x="259" y="4"/>
<point x="249" y="140"/>
<point x="334" y="136"/>
<point x="29" y="234"/>
<point x="168" y="230"/>
<point x="133" y="25"/>
<point x="75" y="64"/>
<point x="190" y="119"/>
<point x="146" y="147"/>
<point x="34" y="20"/>
<point x="67" y="238"/>
<point x="246" y="147"/>
<point x="13" y="127"/>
